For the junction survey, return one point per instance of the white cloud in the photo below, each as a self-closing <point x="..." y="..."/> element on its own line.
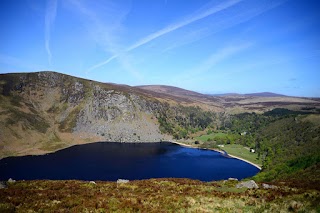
<point x="175" y="26"/>
<point x="244" y="11"/>
<point x="215" y="58"/>
<point x="50" y="15"/>
<point x="104" y="22"/>
<point x="210" y="65"/>
<point x="237" y="15"/>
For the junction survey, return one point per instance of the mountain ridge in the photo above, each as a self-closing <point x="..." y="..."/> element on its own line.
<point x="257" y="94"/>
<point x="46" y="111"/>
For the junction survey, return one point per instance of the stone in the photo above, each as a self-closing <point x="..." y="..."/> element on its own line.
<point x="3" y="185"/>
<point x="122" y="181"/>
<point x="251" y="184"/>
<point x="236" y="179"/>
<point x="267" y="186"/>
<point x="295" y="206"/>
<point x="92" y="182"/>
<point x="54" y="202"/>
<point x="11" y="180"/>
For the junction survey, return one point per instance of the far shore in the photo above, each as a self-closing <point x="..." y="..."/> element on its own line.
<point x="217" y="150"/>
<point x="43" y="152"/>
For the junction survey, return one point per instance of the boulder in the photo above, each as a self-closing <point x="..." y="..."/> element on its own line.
<point x="122" y="181"/>
<point x="3" y="185"/>
<point x="11" y="180"/>
<point x="251" y="184"/>
<point x="267" y="186"/>
<point x="235" y="179"/>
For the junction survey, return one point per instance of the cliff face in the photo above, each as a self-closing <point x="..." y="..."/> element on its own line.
<point x="117" y="116"/>
<point x="45" y="111"/>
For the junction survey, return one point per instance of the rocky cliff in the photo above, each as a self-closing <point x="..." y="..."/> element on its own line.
<point x="46" y="111"/>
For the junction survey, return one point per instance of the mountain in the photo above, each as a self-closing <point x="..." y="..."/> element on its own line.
<point x="42" y="112"/>
<point x="46" y="111"/>
<point x="226" y="94"/>
<point x="176" y="91"/>
<point x="183" y="96"/>
<point x="264" y="94"/>
<point x="258" y="94"/>
<point x="230" y="102"/>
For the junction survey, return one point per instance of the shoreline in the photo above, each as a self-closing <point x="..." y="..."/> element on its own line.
<point x="216" y="150"/>
<point x="170" y="141"/>
<point x="253" y="164"/>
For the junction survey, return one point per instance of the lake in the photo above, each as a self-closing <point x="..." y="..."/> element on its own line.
<point x="111" y="161"/>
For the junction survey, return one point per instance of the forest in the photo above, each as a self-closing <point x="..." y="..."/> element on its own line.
<point x="286" y="141"/>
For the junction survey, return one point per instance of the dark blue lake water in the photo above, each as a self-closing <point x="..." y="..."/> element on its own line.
<point x="111" y="161"/>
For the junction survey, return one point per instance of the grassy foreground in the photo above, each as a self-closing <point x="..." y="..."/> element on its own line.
<point x="153" y="195"/>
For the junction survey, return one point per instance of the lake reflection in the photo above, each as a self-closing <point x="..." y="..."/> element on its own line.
<point x="111" y="161"/>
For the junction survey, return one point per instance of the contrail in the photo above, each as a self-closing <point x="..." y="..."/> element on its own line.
<point x="172" y="27"/>
<point x="51" y="10"/>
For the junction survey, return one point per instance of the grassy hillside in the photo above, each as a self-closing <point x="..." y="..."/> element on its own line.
<point x="242" y="152"/>
<point x="288" y="146"/>
<point x="286" y="143"/>
<point x="46" y="111"/>
<point x="154" y="195"/>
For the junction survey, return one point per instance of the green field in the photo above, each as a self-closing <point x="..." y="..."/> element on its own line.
<point x="242" y="152"/>
<point x="211" y="136"/>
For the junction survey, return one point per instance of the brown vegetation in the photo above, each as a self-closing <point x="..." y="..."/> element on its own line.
<point x="154" y="195"/>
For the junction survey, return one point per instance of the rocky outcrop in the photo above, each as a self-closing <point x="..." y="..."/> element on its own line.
<point x="11" y="180"/>
<point x="268" y="186"/>
<point x="251" y="184"/>
<point x="122" y="181"/>
<point x="233" y="179"/>
<point x="48" y="111"/>
<point x="3" y="185"/>
<point x="116" y="116"/>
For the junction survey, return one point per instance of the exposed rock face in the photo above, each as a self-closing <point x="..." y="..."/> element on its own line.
<point x="251" y="184"/>
<point x="268" y="186"/>
<point x="3" y="185"/>
<point x="122" y="181"/>
<point x="11" y="180"/>
<point x="117" y="117"/>
<point x="234" y="179"/>
<point x="46" y="111"/>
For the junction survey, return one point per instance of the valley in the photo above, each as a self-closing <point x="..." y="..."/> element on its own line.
<point x="44" y="112"/>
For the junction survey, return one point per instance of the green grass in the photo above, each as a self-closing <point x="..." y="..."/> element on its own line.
<point x="31" y="121"/>
<point x="211" y="136"/>
<point x="242" y="152"/>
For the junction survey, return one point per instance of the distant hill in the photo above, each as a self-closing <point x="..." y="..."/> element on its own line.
<point x="259" y="94"/>
<point x="264" y="94"/>
<point x="183" y="96"/>
<point x="46" y="111"/>
<point x="43" y="112"/>
<point x="171" y="90"/>
<point x="225" y="94"/>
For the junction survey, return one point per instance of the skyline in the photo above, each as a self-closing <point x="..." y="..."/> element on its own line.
<point x="232" y="46"/>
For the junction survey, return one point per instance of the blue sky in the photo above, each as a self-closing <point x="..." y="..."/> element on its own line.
<point x="217" y="46"/>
